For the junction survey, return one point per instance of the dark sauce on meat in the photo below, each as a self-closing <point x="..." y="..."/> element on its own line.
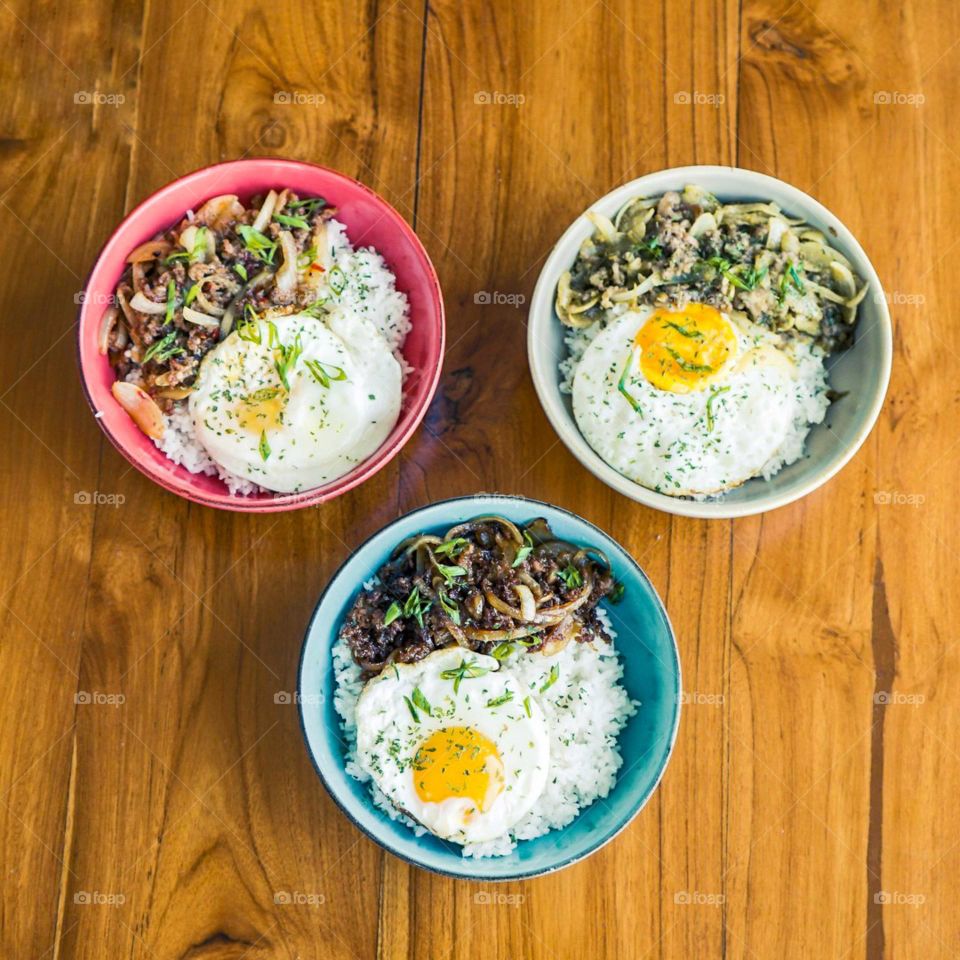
<point x="488" y="586"/>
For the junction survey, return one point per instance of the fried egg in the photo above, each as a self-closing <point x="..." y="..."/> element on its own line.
<point x="294" y="402"/>
<point x="689" y="402"/>
<point x="455" y="742"/>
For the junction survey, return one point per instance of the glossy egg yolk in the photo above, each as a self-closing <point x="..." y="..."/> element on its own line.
<point x="683" y="350"/>
<point x="456" y="763"/>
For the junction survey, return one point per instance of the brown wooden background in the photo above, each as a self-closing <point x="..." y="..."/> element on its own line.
<point x="797" y="801"/>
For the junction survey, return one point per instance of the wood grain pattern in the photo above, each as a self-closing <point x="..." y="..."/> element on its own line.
<point x="809" y="808"/>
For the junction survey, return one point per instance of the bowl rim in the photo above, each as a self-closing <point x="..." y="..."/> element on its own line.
<point x="543" y="369"/>
<point x="639" y="804"/>
<point x="279" y="503"/>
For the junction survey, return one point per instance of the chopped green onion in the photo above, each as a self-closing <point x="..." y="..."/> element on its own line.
<point x="501" y="700"/>
<point x="421" y="702"/>
<point x="714" y="393"/>
<point x="551" y="679"/>
<point x="163" y="350"/>
<point x="571" y="576"/>
<point x="192" y="293"/>
<point x="622" y="384"/>
<point x="297" y="222"/>
<point x="262" y="247"/>
<point x="337" y="280"/>
<point x="199" y="244"/>
<point x="526" y="706"/>
<point x="241" y="271"/>
<point x="450" y="547"/>
<point x="616" y="594"/>
<point x="393" y="611"/>
<point x="264" y="446"/>
<point x="450" y="573"/>
<point x="413" y="710"/>
<point x="321" y="374"/>
<point x="688" y="365"/>
<point x="450" y="608"/>
<point x="288" y="359"/>
<point x="171" y="301"/>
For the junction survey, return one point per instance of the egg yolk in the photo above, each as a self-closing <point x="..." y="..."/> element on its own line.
<point x="683" y="350"/>
<point x="458" y="762"/>
<point x="262" y="410"/>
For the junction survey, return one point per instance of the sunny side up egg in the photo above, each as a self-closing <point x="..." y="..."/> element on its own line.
<point x="685" y="401"/>
<point x="455" y="742"/>
<point x="294" y="402"/>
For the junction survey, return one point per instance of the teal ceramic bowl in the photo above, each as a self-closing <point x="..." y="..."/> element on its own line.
<point x="651" y="676"/>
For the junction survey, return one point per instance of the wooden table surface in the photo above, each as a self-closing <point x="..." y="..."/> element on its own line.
<point x="155" y="799"/>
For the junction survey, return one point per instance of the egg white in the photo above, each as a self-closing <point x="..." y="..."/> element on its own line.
<point x="388" y="738"/>
<point x="325" y="430"/>
<point x="672" y="444"/>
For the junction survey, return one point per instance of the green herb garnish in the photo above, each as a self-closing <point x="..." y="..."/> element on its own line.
<point x="321" y="372"/>
<point x="414" y="607"/>
<point x="449" y="547"/>
<point x="412" y="709"/>
<point x="249" y="330"/>
<point x="571" y="576"/>
<point x="288" y="359"/>
<point x="199" y="244"/>
<point x="337" y="280"/>
<point x="262" y="247"/>
<point x="262" y="395"/>
<point x="688" y="365"/>
<point x="450" y="608"/>
<point x="685" y="331"/>
<point x="450" y="573"/>
<point x="524" y="551"/>
<point x="468" y="670"/>
<point x="622" y="383"/>
<point x="241" y="271"/>
<point x="526" y="706"/>
<point x="393" y="611"/>
<point x="714" y="393"/>
<point x="795" y="279"/>
<point x="308" y="206"/>
<point x="163" y="350"/>
<point x="264" y="446"/>
<point x="551" y="679"/>
<point x="500" y="701"/>
<point x="421" y="702"/>
<point x="192" y="293"/>
<point x="616" y="594"/>
<point x="171" y="301"/>
<point x="297" y="222"/>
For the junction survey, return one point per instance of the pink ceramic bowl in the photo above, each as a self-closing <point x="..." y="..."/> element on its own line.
<point x="370" y="221"/>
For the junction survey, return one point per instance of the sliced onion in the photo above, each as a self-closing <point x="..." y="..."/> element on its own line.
<point x="287" y="274"/>
<point x="219" y="211"/>
<point x="266" y="211"/>
<point x="200" y="319"/>
<point x="501" y="606"/>
<point x="472" y="525"/>
<point x="141" y="408"/>
<point x="528" y="605"/>
<point x="499" y="636"/>
<point x="139" y="302"/>
<point x="107" y="323"/>
<point x="176" y="393"/>
<point x="151" y="250"/>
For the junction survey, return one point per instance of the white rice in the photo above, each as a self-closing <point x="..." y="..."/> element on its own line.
<point x="586" y="708"/>
<point x="369" y="291"/>
<point x="812" y="391"/>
